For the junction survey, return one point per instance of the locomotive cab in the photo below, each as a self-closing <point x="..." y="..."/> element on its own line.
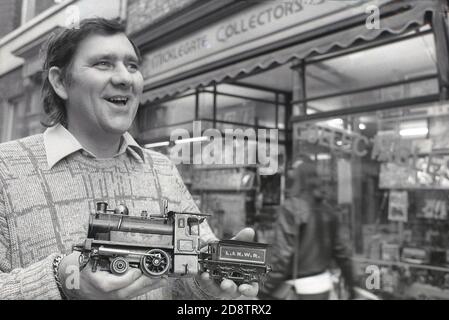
<point x="186" y="239"/>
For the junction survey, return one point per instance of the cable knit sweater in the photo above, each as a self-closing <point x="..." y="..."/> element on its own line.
<point x="45" y="211"/>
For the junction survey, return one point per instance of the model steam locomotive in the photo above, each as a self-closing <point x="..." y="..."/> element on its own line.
<point x="165" y="244"/>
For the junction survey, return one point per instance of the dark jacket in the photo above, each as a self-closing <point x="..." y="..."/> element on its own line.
<point x="320" y="243"/>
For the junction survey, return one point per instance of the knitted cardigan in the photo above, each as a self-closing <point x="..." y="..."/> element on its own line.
<point x="45" y="211"/>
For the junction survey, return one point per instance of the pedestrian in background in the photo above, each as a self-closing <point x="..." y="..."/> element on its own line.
<point x="307" y="240"/>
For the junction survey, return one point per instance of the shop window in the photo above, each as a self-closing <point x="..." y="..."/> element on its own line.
<point x="240" y="105"/>
<point x="246" y="92"/>
<point x="32" y="8"/>
<point x="386" y="173"/>
<point x="375" y="96"/>
<point x="168" y="113"/>
<point x="281" y="117"/>
<point x="43" y="5"/>
<point x="236" y="111"/>
<point x="3" y="111"/>
<point x="205" y="105"/>
<point x="398" y="70"/>
<point x="235" y="106"/>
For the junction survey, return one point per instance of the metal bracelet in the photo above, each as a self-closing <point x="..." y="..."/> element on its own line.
<point x="56" y="263"/>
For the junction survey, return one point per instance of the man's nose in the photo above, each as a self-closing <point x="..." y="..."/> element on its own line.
<point x="121" y="77"/>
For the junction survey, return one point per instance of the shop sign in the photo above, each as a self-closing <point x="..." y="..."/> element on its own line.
<point x="146" y="12"/>
<point x="432" y="110"/>
<point x="335" y="139"/>
<point x="398" y="156"/>
<point x="268" y="22"/>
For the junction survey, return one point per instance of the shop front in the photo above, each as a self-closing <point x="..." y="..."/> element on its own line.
<point x="364" y="98"/>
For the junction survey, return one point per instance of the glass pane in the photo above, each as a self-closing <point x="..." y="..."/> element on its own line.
<point x="386" y="174"/>
<point x="281" y="117"/>
<point x="246" y="111"/>
<point x="246" y="92"/>
<point x="42" y="5"/>
<point x="280" y="78"/>
<point x="236" y="110"/>
<point x="399" y="61"/>
<point x="206" y="105"/>
<point x="389" y="94"/>
<point x="266" y="115"/>
<point x="167" y="113"/>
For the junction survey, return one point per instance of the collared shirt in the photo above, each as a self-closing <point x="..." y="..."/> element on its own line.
<point x="60" y="143"/>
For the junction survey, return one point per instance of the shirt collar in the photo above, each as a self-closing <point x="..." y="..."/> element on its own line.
<point x="60" y="143"/>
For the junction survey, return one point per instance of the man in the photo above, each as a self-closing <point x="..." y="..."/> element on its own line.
<point x="50" y="182"/>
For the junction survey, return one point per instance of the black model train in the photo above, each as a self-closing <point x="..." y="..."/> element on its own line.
<point x="167" y="243"/>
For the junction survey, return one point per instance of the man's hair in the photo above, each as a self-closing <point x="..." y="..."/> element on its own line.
<point x="60" y="50"/>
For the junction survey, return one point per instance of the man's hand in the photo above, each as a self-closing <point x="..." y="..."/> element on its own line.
<point x="227" y="288"/>
<point x="104" y="285"/>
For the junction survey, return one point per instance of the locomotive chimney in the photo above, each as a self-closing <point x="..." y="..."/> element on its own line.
<point x="102" y="207"/>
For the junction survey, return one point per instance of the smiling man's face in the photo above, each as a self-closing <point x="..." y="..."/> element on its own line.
<point x="104" y="85"/>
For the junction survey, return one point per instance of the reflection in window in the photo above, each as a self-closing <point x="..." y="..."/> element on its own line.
<point x="411" y="62"/>
<point x="375" y="96"/>
<point x="381" y="168"/>
<point x="167" y="113"/>
<point x="205" y="105"/>
<point x="32" y="8"/>
<point x="42" y="5"/>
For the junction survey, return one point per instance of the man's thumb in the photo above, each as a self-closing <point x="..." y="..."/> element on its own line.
<point x="246" y="234"/>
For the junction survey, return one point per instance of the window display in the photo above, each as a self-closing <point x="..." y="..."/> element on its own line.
<point x="395" y="184"/>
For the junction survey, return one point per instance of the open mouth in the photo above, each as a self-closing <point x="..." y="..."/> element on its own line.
<point x="118" y="100"/>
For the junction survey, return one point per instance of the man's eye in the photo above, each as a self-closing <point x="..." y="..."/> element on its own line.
<point x="133" y="67"/>
<point x="103" y="64"/>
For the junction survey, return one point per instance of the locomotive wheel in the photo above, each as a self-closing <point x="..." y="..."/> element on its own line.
<point x="119" y="265"/>
<point x="155" y="263"/>
<point x="83" y="260"/>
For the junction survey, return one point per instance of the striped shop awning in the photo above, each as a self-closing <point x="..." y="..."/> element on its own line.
<point x="397" y="18"/>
